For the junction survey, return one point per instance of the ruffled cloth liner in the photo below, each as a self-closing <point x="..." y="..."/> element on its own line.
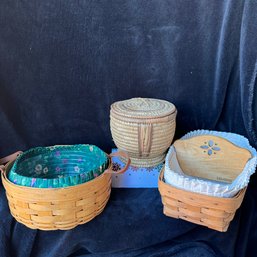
<point x="89" y="160"/>
<point x="174" y="175"/>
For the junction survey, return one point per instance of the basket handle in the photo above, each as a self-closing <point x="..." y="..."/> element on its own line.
<point x="119" y="154"/>
<point x="8" y="159"/>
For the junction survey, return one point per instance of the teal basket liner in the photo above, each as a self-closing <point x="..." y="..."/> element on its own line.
<point x="58" y="166"/>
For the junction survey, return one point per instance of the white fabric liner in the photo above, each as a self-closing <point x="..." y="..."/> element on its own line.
<point x="174" y="175"/>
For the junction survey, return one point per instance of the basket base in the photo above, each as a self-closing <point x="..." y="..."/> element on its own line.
<point x="146" y="162"/>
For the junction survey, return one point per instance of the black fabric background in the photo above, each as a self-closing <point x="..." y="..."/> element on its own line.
<point x="62" y="63"/>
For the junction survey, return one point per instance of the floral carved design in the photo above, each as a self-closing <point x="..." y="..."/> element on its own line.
<point x="210" y="147"/>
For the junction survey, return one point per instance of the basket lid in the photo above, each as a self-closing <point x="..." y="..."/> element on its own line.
<point x="142" y="108"/>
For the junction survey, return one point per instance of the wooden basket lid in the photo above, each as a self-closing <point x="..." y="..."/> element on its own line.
<point x="143" y="108"/>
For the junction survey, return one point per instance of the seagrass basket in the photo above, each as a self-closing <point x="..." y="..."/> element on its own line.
<point x="59" y="208"/>
<point x="212" y="212"/>
<point x="144" y="128"/>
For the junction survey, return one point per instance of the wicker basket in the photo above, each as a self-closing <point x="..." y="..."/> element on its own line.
<point x="212" y="212"/>
<point x="59" y="208"/>
<point x="205" y="177"/>
<point x="144" y="128"/>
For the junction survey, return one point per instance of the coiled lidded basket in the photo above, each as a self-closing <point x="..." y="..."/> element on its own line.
<point x="144" y="128"/>
<point x="49" y="202"/>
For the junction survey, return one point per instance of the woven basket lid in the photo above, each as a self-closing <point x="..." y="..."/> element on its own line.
<point x="142" y="108"/>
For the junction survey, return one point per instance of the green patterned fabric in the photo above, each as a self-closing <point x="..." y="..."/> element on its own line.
<point x="58" y="166"/>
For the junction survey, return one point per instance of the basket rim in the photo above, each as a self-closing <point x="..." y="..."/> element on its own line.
<point x="225" y="199"/>
<point x="144" y="120"/>
<point x="90" y="182"/>
<point x="48" y="150"/>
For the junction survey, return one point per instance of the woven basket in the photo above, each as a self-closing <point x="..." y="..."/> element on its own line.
<point x="212" y="212"/>
<point x="59" y="208"/>
<point x="144" y="128"/>
<point x="210" y="162"/>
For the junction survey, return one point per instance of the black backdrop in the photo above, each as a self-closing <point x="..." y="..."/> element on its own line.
<point x="62" y="63"/>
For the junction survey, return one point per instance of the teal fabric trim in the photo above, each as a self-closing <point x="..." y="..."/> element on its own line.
<point x="58" y="166"/>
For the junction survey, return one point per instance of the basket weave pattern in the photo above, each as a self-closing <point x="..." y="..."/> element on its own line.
<point x="144" y="128"/>
<point x="213" y="212"/>
<point x="57" y="208"/>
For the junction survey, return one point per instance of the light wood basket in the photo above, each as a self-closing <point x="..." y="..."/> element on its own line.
<point x="144" y="128"/>
<point x="212" y="212"/>
<point x="59" y="208"/>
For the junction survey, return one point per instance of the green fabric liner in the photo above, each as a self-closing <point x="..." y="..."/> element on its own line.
<point x="58" y="166"/>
